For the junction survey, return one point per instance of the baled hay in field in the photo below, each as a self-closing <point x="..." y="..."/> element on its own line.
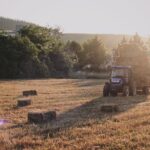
<point x="110" y="108"/>
<point x="40" y="116"/>
<point x="23" y="102"/>
<point x="29" y="92"/>
<point x="80" y="123"/>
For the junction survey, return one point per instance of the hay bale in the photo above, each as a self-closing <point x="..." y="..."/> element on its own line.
<point x="29" y="92"/>
<point x="110" y="108"/>
<point x="24" y="102"/>
<point x="39" y="116"/>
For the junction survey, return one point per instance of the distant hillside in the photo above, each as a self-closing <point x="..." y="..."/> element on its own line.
<point x="110" y="40"/>
<point x="11" y="24"/>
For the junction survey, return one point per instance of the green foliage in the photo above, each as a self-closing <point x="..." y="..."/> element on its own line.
<point x="73" y="50"/>
<point x="37" y="52"/>
<point x="132" y="47"/>
<point x="61" y="62"/>
<point x="13" y="51"/>
<point x="45" y="39"/>
<point x="132" y="52"/>
<point x="74" y="47"/>
<point x="94" y="53"/>
<point x="30" y="54"/>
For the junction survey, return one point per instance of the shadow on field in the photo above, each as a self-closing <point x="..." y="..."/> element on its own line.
<point x="81" y="115"/>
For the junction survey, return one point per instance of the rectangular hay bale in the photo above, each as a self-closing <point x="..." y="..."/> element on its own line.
<point x="110" y="108"/>
<point x="29" y="92"/>
<point x="41" y="116"/>
<point x="23" y="102"/>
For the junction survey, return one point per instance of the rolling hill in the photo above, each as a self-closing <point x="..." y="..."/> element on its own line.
<point x="110" y="40"/>
<point x="11" y="24"/>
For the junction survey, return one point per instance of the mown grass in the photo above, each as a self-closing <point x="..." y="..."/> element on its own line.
<point x="80" y="123"/>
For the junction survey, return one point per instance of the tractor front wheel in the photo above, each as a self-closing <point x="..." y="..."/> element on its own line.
<point x="106" y="89"/>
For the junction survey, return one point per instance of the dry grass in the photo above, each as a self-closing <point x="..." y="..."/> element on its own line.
<point x="80" y="123"/>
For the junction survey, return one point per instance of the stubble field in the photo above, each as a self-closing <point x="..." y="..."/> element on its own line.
<point x="80" y="124"/>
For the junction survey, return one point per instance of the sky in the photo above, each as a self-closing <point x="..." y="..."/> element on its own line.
<point x="83" y="16"/>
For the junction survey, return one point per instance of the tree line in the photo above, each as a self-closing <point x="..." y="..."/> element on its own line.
<point x="38" y="52"/>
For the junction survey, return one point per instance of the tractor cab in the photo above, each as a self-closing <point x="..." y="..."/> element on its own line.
<point x="120" y="75"/>
<point x="119" y="82"/>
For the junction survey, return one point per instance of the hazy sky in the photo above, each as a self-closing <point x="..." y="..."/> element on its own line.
<point x="83" y="16"/>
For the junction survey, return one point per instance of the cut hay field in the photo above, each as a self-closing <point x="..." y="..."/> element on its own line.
<point x="80" y="124"/>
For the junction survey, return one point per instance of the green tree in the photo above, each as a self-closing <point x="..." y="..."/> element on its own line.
<point x="61" y="61"/>
<point x="33" y="53"/>
<point x="132" y="52"/>
<point x="73" y="49"/>
<point x="94" y="53"/>
<point x="45" y="39"/>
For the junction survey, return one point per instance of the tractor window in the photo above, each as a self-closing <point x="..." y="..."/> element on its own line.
<point x="119" y="73"/>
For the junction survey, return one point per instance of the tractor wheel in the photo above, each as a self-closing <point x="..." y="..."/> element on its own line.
<point x="106" y="89"/>
<point x="126" y="91"/>
<point x="133" y="89"/>
<point x="145" y="90"/>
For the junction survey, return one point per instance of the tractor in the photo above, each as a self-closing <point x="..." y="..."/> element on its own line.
<point x="124" y="80"/>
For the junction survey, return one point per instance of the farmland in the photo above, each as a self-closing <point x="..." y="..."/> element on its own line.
<point x="80" y="124"/>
